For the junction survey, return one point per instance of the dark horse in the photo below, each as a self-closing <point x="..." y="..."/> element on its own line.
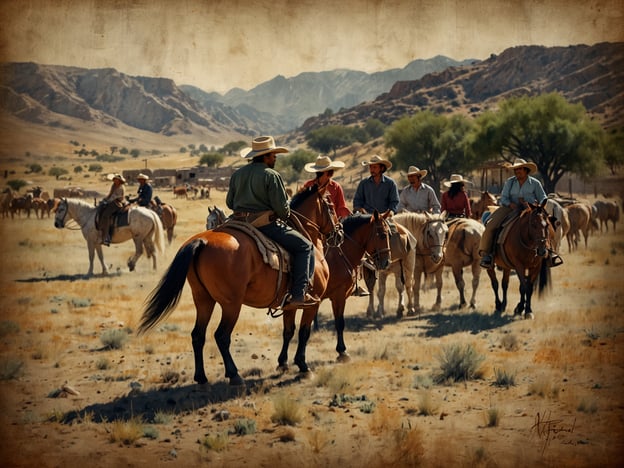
<point x="363" y="234"/>
<point x="524" y="249"/>
<point x="225" y="266"/>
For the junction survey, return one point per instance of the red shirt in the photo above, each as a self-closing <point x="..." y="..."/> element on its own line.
<point x="458" y="205"/>
<point x="336" y="195"/>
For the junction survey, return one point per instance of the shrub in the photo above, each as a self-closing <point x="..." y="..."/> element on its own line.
<point x="458" y="363"/>
<point x="126" y="432"/>
<point x="287" y="411"/>
<point x="503" y="378"/>
<point x="245" y="427"/>
<point x="217" y="442"/>
<point x="114" y="338"/>
<point x="11" y="368"/>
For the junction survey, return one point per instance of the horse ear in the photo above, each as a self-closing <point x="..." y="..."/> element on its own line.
<point x="443" y="215"/>
<point x="386" y="214"/>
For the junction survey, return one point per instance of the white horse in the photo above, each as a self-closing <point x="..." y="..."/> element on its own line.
<point x="144" y="228"/>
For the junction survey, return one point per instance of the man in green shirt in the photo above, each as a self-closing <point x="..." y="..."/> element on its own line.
<point x="257" y="194"/>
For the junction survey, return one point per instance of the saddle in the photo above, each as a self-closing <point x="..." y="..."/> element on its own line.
<point x="273" y="254"/>
<point x="501" y="235"/>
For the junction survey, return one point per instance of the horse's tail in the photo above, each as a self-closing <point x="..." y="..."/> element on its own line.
<point x="544" y="277"/>
<point x="164" y="298"/>
<point x="159" y="233"/>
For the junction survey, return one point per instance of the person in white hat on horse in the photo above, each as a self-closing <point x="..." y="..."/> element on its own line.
<point x="144" y="192"/>
<point x="418" y="197"/>
<point x="110" y="205"/>
<point x="455" y="200"/>
<point x="257" y="195"/>
<point x="518" y="190"/>
<point x="324" y="168"/>
<point x="377" y="192"/>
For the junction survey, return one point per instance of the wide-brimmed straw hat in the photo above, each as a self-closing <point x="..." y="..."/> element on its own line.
<point x="262" y="145"/>
<point x="519" y="162"/>
<point x="376" y="159"/>
<point x="119" y="177"/>
<point x="413" y="170"/>
<point x="323" y="164"/>
<point x="142" y="176"/>
<point x="454" y="179"/>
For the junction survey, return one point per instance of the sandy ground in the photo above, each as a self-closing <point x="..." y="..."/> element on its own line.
<point x="67" y="399"/>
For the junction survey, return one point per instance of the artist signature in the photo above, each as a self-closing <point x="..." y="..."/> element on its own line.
<point x="547" y="428"/>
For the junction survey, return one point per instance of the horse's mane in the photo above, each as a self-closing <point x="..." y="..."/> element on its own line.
<point x="413" y="221"/>
<point x="354" y="221"/>
<point x="302" y="196"/>
<point x="80" y="202"/>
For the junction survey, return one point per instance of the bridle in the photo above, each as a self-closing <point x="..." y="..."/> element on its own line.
<point x="335" y="236"/>
<point x="537" y="244"/>
<point x="427" y="245"/>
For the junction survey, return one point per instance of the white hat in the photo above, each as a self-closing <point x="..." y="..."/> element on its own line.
<point x="376" y="159"/>
<point x="142" y="176"/>
<point x="519" y="162"/>
<point x="419" y="172"/>
<point x="119" y="177"/>
<point x="262" y="145"/>
<point x="455" y="178"/>
<point x="323" y="164"/>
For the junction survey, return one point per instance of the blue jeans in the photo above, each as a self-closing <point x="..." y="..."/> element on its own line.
<point x="300" y="248"/>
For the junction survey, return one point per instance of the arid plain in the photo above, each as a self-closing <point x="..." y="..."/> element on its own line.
<point x="548" y="392"/>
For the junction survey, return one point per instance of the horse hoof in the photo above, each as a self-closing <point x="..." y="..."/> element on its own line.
<point x="307" y="375"/>
<point x="282" y="368"/>
<point x="237" y="381"/>
<point x="529" y="316"/>
<point x="343" y="357"/>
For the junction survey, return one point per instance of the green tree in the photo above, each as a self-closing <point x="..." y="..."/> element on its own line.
<point x="432" y="142"/>
<point x="614" y="150"/>
<point x="16" y="184"/>
<point x="135" y="153"/>
<point x="35" y="168"/>
<point x="557" y="136"/>
<point x="330" y="138"/>
<point x="233" y="147"/>
<point x="375" y="128"/>
<point x="77" y="169"/>
<point x="57" y="172"/>
<point x="211" y="159"/>
<point x="97" y="168"/>
<point x="291" y="166"/>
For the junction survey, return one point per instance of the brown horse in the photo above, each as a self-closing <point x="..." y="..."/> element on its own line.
<point x="481" y="205"/>
<point x="364" y="234"/>
<point x="524" y="249"/>
<point x="462" y="250"/>
<point x="169" y="217"/>
<point x="225" y="266"/>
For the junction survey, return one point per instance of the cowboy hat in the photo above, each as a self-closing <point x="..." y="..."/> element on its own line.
<point x="455" y="178"/>
<point x="119" y="177"/>
<point x="519" y="162"/>
<point x="323" y="164"/>
<point x="142" y="176"/>
<point x="413" y="170"/>
<point x="376" y="159"/>
<point x="262" y="145"/>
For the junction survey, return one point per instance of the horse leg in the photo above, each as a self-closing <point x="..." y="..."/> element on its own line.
<point x="305" y="326"/>
<point x="400" y="287"/>
<point x="476" y="275"/>
<point x="494" y="282"/>
<point x="338" y="307"/>
<point x="505" y="285"/>
<point x="370" y="278"/>
<point x="288" y="320"/>
<point x="458" y="275"/>
<point x="439" y="282"/>
<point x="519" y="310"/>
<point x="150" y="250"/>
<point x="381" y="293"/>
<point x="138" y="251"/>
<point x="223" y="337"/>
<point x="416" y="291"/>
<point x="204" y="308"/>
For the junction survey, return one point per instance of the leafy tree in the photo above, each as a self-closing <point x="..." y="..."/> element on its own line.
<point x="183" y="149"/>
<point x="211" y="159"/>
<point x="77" y="169"/>
<point x="557" y="136"/>
<point x="95" y="168"/>
<point x="374" y="127"/>
<point x="291" y="166"/>
<point x="16" y="184"/>
<point x="35" y="168"/>
<point x="432" y="142"/>
<point x="203" y="148"/>
<point x="330" y="138"/>
<point x="57" y="172"/>
<point x="614" y="150"/>
<point x="233" y="147"/>
<point x="113" y="149"/>
<point x="123" y="150"/>
<point x="135" y="153"/>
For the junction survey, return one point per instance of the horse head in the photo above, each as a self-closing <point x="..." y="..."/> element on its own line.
<point x="315" y="212"/>
<point x="215" y="217"/>
<point x="378" y="244"/>
<point x="435" y="235"/>
<point x="60" y="214"/>
<point x="538" y="228"/>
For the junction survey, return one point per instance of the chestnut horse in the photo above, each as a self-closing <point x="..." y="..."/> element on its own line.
<point x="169" y="218"/>
<point x="364" y="234"/>
<point x="481" y="206"/>
<point x="525" y="250"/>
<point x="225" y="266"/>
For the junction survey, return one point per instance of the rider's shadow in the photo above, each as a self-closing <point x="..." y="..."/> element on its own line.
<point x="438" y="325"/>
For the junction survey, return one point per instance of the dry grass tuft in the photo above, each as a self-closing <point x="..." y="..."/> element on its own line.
<point x="126" y="432"/>
<point x="287" y="411"/>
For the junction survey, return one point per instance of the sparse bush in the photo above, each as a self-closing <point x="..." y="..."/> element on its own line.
<point x="509" y="342"/>
<point x="11" y="368"/>
<point x="102" y="364"/>
<point x="426" y="407"/>
<point x="162" y="417"/>
<point x="114" y="338"/>
<point x="459" y="363"/>
<point x="503" y="378"/>
<point x="287" y="411"/>
<point x="493" y="417"/>
<point x="587" y="406"/>
<point x="126" y="432"/>
<point x="217" y="442"/>
<point x="245" y="427"/>
<point x="150" y="432"/>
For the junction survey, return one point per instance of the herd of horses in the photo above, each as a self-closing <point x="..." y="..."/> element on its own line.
<point x="225" y="265"/>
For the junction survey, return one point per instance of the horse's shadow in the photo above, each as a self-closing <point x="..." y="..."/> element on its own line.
<point x="68" y="278"/>
<point x="171" y="400"/>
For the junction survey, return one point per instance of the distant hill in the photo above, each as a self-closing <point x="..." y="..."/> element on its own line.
<point x="591" y="75"/>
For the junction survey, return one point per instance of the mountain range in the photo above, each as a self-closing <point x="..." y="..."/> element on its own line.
<point x="54" y="96"/>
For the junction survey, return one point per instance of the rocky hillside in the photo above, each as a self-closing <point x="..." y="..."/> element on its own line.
<point x="591" y="75"/>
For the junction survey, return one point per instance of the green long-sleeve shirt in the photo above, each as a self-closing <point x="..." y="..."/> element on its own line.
<point x="256" y="187"/>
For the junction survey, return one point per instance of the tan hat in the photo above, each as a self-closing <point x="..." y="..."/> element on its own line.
<point x="413" y="170"/>
<point x="142" y="176"/>
<point x="519" y="162"/>
<point x="455" y="178"/>
<point x="262" y="145"/>
<point x="323" y="164"/>
<point x="376" y="159"/>
<point x="119" y="177"/>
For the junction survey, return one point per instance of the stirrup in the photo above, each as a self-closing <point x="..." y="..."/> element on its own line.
<point x="555" y="260"/>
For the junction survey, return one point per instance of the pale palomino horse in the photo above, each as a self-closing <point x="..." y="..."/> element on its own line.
<point x="144" y="228"/>
<point x="402" y="266"/>
<point x="430" y="231"/>
<point x="561" y="223"/>
<point x="462" y="250"/>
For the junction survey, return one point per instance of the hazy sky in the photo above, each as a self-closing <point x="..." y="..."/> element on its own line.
<point x="220" y="44"/>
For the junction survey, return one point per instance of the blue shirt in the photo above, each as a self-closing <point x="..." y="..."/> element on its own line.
<point x="531" y="191"/>
<point x="381" y="197"/>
